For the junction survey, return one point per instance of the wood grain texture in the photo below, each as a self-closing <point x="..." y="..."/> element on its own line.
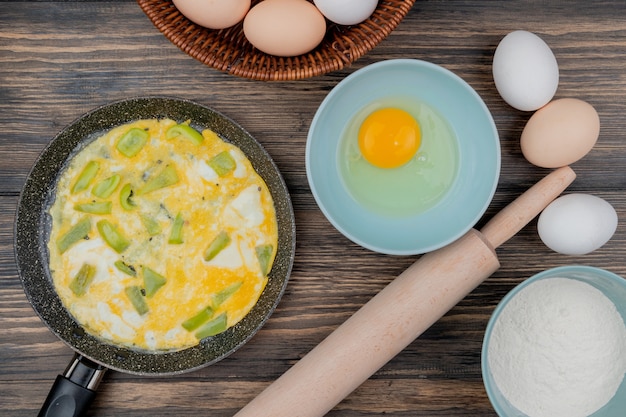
<point x="60" y="59"/>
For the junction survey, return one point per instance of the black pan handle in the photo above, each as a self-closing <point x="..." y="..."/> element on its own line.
<point x="74" y="391"/>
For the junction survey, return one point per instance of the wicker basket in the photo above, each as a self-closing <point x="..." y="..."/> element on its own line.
<point x="228" y="50"/>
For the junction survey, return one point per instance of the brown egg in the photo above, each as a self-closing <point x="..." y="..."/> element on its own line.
<point x="560" y="133"/>
<point x="284" y="27"/>
<point x="214" y="14"/>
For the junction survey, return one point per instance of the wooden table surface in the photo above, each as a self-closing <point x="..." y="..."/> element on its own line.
<point x="61" y="59"/>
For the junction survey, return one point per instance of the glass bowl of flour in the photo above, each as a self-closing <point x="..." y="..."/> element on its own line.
<point x="555" y="346"/>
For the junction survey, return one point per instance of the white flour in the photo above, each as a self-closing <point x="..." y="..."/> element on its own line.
<point x="558" y="349"/>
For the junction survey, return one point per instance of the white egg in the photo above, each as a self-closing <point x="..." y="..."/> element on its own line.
<point x="577" y="224"/>
<point x="525" y="71"/>
<point x="346" y="12"/>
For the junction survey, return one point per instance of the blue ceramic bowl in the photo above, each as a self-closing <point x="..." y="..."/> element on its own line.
<point x="613" y="286"/>
<point x="477" y="170"/>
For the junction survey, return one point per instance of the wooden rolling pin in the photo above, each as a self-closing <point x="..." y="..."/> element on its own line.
<point x="402" y="311"/>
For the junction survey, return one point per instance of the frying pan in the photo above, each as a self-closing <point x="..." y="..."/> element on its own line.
<point x="74" y="390"/>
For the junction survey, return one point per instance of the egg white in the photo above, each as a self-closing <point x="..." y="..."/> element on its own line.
<point x="412" y="188"/>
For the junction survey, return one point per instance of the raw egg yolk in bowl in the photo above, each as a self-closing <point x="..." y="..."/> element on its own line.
<point x="403" y="157"/>
<point x="397" y="157"/>
<point x="388" y="138"/>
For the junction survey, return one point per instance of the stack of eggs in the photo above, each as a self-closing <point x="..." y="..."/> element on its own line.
<point x="278" y="27"/>
<point x="559" y="133"/>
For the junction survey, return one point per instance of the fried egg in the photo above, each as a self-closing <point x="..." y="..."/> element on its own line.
<point x="161" y="235"/>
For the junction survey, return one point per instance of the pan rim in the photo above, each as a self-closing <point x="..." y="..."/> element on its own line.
<point x="29" y="243"/>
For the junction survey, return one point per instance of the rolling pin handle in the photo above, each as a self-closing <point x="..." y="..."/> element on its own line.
<point x="527" y="206"/>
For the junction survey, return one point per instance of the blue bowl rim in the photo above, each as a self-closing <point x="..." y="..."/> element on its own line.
<point x="423" y="248"/>
<point x="561" y="271"/>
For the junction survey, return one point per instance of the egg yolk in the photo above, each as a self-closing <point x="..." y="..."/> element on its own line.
<point x="389" y="137"/>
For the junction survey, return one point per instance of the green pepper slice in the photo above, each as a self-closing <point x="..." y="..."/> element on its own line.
<point x="132" y="142"/>
<point x="152" y="281"/>
<point x="96" y="207"/>
<point x="223" y="163"/>
<point x="216" y="246"/>
<point x="125" y="268"/>
<point x="152" y="226"/>
<point x="184" y="131"/>
<point x="212" y="327"/>
<point x="264" y="255"/>
<point x="126" y="198"/>
<point x="206" y="313"/>
<point x="85" y="177"/>
<point x="218" y="298"/>
<point x="112" y="236"/>
<point x="165" y="178"/>
<point x="176" y="234"/>
<point x="105" y="188"/>
<point x="196" y="321"/>
<point x="82" y="279"/>
<point x="137" y="299"/>
<point x="79" y="231"/>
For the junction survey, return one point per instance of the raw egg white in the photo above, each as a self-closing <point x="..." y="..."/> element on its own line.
<point x="346" y="12"/>
<point x="214" y="14"/>
<point x="410" y="169"/>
